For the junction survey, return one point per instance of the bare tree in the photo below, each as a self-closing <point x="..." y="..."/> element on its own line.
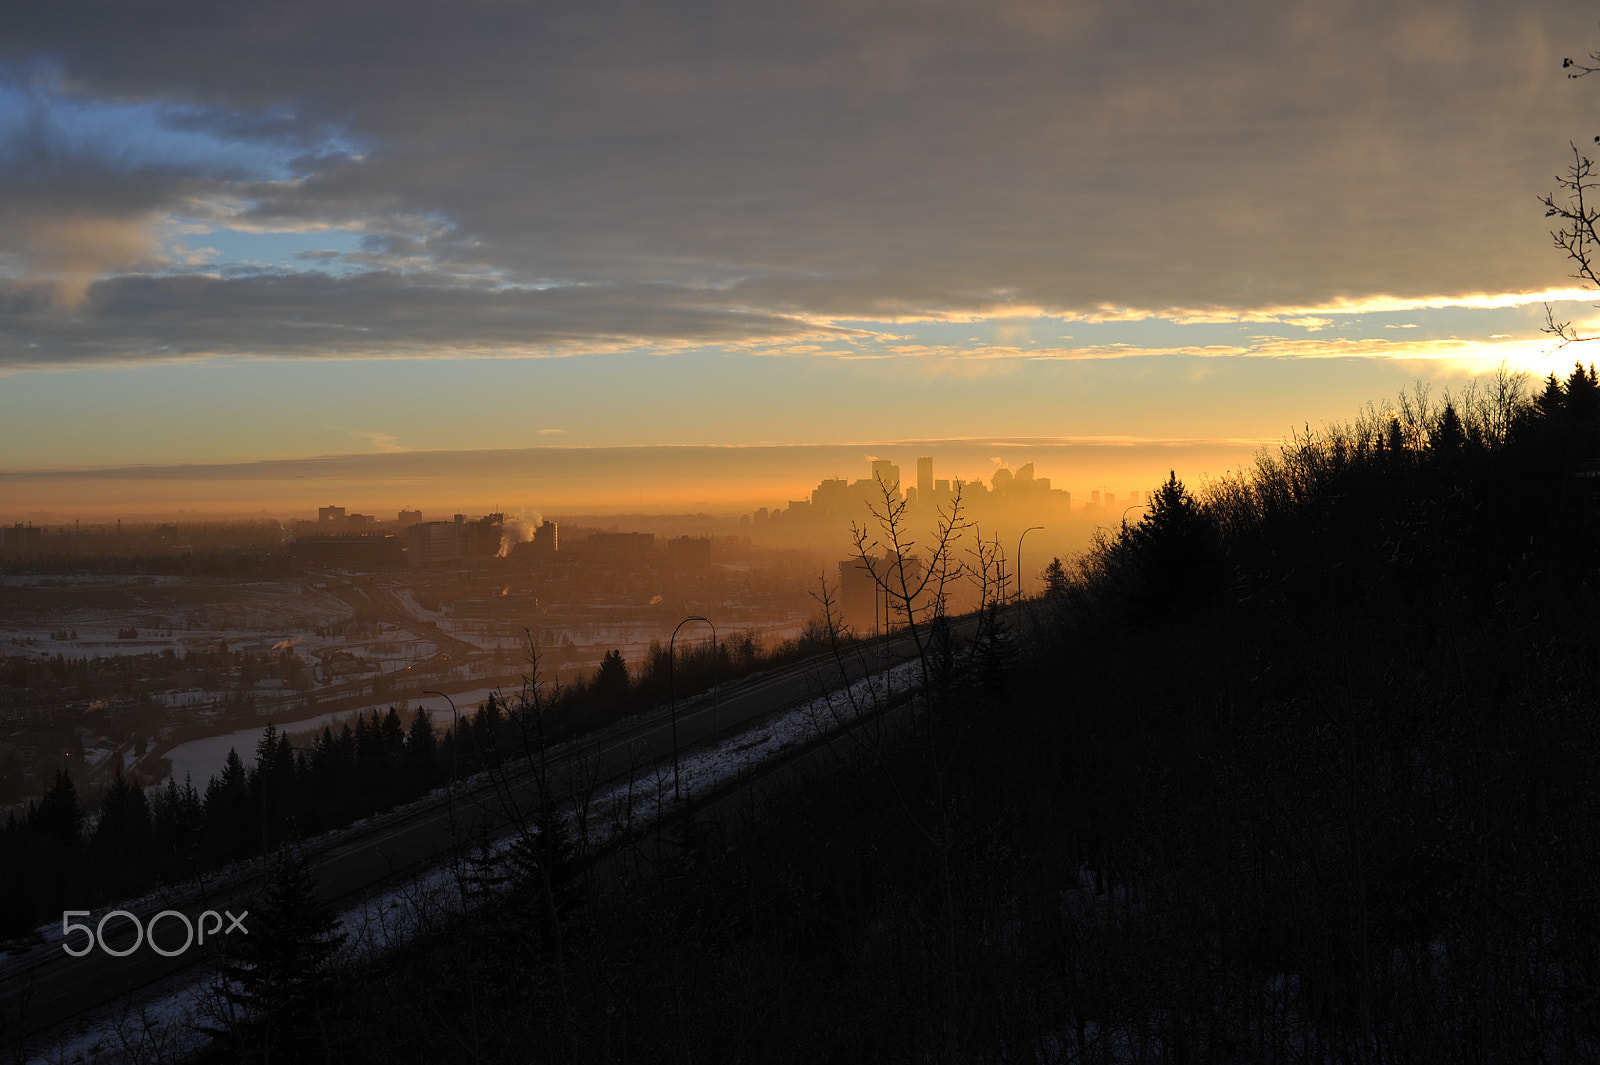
<point x="917" y="598"/>
<point x="1573" y="208"/>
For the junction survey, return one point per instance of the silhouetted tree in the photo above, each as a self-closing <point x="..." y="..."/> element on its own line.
<point x="611" y="679"/>
<point x="229" y="829"/>
<point x="176" y="822"/>
<point x="422" y="747"/>
<point x="59" y="818"/>
<point x="121" y="838"/>
<point x="1170" y="549"/>
<point x="1448" y="436"/>
<point x="1552" y="399"/>
<point x="1055" y="579"/>
<point x="277" y="974"/>
<point x="1582" y="397"/>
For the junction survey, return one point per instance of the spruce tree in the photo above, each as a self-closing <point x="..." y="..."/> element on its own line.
<point x="59" y="819"/>
<point x="278" y="974"/>
<point x="121" y="838"/>
<point x="1582" y="394"/>
<point x="422" y="748"/>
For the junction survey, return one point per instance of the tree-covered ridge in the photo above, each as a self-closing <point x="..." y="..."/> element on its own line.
<point x="1297" y="767"/>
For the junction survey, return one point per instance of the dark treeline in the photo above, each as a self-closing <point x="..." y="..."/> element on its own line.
<point x="54" y="855"/>
<point x="1298" y="768"/>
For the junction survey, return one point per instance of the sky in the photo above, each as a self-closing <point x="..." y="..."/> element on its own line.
<point x="599" y="236"/>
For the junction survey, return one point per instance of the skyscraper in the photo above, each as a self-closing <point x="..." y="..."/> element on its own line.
<point x="925" y="477"/>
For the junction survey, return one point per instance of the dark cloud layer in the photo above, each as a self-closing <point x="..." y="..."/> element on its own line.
<point x="714" y="172"/>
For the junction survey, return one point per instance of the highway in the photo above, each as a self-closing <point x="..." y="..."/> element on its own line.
<point x="47" y="986"/>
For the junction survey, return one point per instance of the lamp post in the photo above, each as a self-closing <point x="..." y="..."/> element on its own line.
<point x="1123" y="523"/>
<point x="1024" y="536"/>
<point x="672" y="689"/>
<point x="455" y="745"/>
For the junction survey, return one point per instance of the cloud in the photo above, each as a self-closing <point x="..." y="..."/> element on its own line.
<point x="384" y="443"/>
<point x="560" y="177"/>
<point x="372" y="315"/>
<point x="71" y="251"/>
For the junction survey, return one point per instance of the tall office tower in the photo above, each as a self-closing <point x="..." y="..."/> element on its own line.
<point x="546" y="538"/>
<point x="887" y="472"/>
<point x="925" y="477"/>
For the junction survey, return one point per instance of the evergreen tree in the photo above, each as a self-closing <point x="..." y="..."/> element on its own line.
<point x="59" y="819"/>
<point x="229" y="829"/>
<point x="1169" y="549"/>
<point x="176" y="818"/>
<point x="121" y="838"/>
<point x="1448" y="436"/>
<point x="422" y="748"/>
<point x="1552" y="401"/>
<point x="273" y="782"/>
<point x="393" y="734"/>
<point x="611" y="682"/>
<point x="57" y="831"/>
<point x="1055" y="579"/>
<point x="1582" y="393"/>
<point x="543" y="867"/>
<point x="278" y="974"/>
<point x="1395" y="437"/>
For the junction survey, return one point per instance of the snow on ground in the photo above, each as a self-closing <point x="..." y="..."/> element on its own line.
<point x="407" y="598"/>
<point x="165" y="1019"/>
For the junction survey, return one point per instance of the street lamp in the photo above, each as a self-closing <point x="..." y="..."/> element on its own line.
<point x="1024" y="536"/>
<point x="1123" y="523"/>
<point x="455" y="746"/>
<point x="672" y="689"/>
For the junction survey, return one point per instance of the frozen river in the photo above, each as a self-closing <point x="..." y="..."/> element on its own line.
<point x="203" y="758"/>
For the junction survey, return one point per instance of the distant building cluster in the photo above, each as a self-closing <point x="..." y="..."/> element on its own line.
<point x="863" y="604"/>
<point x="841" y="497"/>
<point x="342" y="540"/>
<point x="21" y="541"/>
<point x="432" y="543"/>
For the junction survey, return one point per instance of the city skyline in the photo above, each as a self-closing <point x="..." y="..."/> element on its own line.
<point x="591" y="481"/>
